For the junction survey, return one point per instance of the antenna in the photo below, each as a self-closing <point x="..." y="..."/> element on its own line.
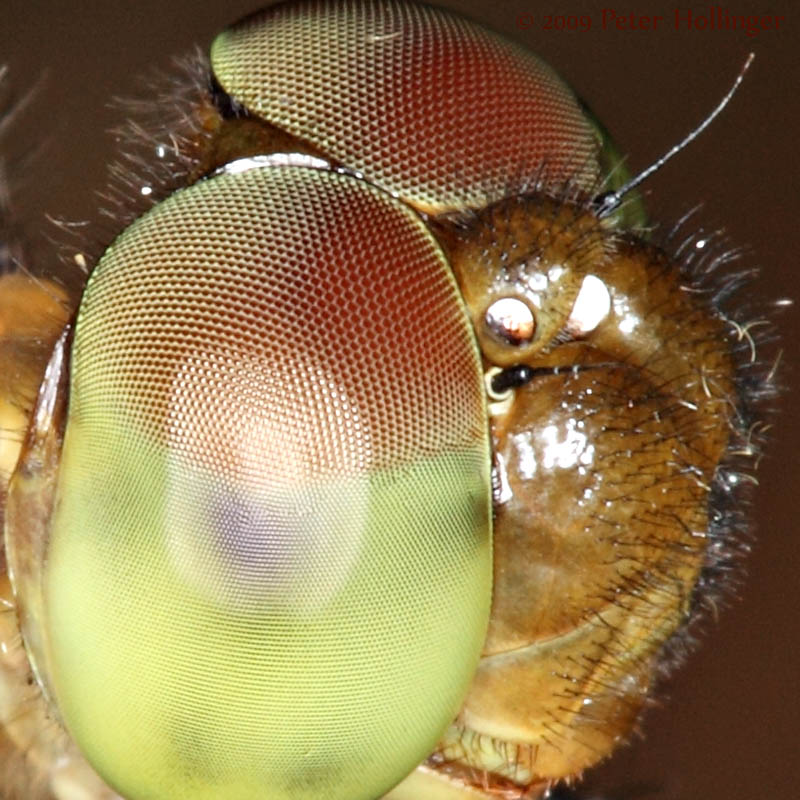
<point x="608" y="202"/>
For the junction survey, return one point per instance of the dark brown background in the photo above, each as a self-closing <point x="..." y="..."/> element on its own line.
<point x="729" y="728"/>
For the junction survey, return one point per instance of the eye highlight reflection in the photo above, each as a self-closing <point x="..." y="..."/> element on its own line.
<point x="591" y="307"/>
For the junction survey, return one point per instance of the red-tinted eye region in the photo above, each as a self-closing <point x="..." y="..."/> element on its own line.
<point x="435" y="108"/>
<point x="269" y="562"/>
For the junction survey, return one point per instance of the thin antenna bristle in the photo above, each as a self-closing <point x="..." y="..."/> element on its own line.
<point x="608" y="202"/>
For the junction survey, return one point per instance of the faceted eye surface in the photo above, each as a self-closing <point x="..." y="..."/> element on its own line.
<point x="269" y="561"/>
<point x="424" y="103"/>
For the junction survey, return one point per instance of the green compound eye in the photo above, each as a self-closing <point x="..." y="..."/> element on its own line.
<point x="269" y="562"/>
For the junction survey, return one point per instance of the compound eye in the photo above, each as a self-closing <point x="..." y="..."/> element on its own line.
<point x="427" y="105"/>
<point x="511" y="321"/>
<point x="268" y="570"/>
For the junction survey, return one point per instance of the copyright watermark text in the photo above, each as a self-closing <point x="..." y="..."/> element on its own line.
<point x="714" y="18"/>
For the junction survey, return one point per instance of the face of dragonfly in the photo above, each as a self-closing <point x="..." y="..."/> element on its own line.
<point x="587" y="92"/>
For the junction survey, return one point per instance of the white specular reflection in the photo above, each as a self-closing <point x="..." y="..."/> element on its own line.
<point x="526" y="456"/>
<point x="628" y="320"/>
<point x="591" y="306"/>
<point x="563" y="446"/>
<point x="240" y="165"/>
<point x="536" y="284"/>
<point x="566" y="447"/>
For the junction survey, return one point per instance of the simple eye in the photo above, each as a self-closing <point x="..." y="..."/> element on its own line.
<point x="511" y="321"/>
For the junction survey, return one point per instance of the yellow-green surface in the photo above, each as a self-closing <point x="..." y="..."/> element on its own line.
<point x="269" y="566"/>
<point x="173" y="693"/>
